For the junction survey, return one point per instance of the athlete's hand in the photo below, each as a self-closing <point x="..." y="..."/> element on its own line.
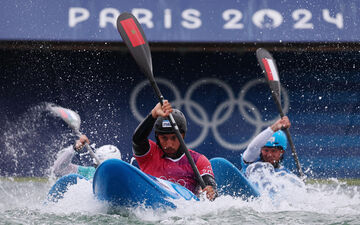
<point x="162" y="110"/>
<point x="210" y="192"/>
<point x="79" y="144"/>
<point x="281" y="124"/>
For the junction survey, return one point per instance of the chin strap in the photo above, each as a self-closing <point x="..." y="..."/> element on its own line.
<point x="158" y="144"/>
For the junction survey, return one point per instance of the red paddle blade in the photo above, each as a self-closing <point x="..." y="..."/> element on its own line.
<point x="132" y="32"/>
<point x="270" y="69"/>
<point x="268" y="66"/>
<point x="133" y="36"/>
<point x="70" y="117"/>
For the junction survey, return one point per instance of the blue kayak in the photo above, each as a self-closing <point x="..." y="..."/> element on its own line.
<point x="231" y="181"/>
<point x="122" y="184"/>
<point x="61" y="186"/>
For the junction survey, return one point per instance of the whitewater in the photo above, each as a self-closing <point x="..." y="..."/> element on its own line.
<point x="24" y="202"/>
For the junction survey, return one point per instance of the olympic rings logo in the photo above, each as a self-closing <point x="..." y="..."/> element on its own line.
<point x="202" y="119"/>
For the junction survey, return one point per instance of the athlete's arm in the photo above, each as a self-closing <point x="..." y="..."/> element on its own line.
<point x="207" y="174"/>
<point x="209" y="180"/>
<point x="252" y="152"/>
<point x="210" y="187"/>
<point x="140" y="140"/>
<point x="63" y="165"/>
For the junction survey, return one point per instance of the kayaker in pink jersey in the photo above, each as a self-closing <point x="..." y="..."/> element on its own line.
<point x="164" y="158"/>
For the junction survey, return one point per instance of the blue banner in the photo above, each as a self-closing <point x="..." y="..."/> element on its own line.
<point x="183" y="20"/>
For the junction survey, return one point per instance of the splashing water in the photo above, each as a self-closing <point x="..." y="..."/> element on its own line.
<point x="277" y="185"/>
<point x="22" y="201"/>
<point x="315" y="204"/>
<point x="30" y="143"/>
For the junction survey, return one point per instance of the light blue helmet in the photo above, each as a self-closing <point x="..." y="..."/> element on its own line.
<point x="278" y="139"/>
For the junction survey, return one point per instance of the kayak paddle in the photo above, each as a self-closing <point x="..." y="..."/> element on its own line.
<point x="133" y="36"/>
<point x="268" y="66"/>
<point x="72" y="119"/>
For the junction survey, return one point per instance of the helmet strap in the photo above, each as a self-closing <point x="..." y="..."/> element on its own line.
<point x="158" y="144"/>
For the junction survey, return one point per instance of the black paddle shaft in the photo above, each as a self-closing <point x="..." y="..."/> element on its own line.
<point x="269" y="68"/>
<point x="287" y="132"/>
<point x="178" y="134"/>
<point x="135" y="39"/>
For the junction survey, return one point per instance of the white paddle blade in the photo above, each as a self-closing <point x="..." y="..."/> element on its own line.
<point x="68" y="115"/>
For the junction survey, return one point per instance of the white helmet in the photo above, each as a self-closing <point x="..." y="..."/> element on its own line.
<point x="108" y="152"/>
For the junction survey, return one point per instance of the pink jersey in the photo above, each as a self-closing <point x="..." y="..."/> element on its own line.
<point x="175" y="170"/>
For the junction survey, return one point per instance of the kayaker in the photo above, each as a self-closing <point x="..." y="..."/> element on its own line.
<point x="164" y="158"/>
<point x="63" y="165"/>
<point x="268" y="146"/>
